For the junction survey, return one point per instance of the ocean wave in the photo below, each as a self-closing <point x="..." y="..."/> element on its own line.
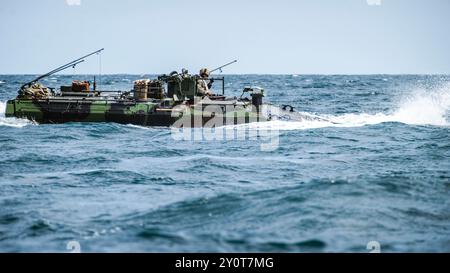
<point x="421" y="107"/>
<point x="14" y="122"/>
<point x="2" y="108"/>
<point x="11" y="122"/>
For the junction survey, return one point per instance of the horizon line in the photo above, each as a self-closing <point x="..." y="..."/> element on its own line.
<point x="238" y="74"/>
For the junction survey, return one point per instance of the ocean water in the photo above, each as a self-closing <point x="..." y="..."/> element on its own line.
<point x="375" y="170"/>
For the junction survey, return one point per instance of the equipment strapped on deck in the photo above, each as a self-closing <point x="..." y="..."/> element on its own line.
<point x="141" y="89"/>
<point x="81" y="86"/>
<point x="35" y="91"/>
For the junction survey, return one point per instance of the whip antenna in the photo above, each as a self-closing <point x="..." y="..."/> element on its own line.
<point x="99" y="67"/>
<point x="61" y="68"/>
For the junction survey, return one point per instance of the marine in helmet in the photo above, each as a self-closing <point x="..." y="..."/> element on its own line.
<point x="203" y="88"/>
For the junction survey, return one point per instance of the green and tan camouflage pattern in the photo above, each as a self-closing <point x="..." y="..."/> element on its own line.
<point x="145" y="113"/>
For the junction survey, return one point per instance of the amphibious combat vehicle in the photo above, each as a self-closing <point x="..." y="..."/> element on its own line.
<point x="168" y="100"/>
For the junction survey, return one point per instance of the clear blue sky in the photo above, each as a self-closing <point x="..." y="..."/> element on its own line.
<point x="282" y="36"/>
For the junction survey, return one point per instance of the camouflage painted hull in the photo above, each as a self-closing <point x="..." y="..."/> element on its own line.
<point x="146" y="113"/>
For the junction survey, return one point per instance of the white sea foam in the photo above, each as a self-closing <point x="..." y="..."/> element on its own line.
<point x="138" y="127"/>
<point x="418" y="108"/>
<point x="11" y="122"/>
<point x="2" y="108"/>
<point x="14" y="122"/>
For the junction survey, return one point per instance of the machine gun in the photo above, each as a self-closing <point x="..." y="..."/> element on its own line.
<point x="220" y="67"/>
<point x="61" y="68"/>
<point x="211" y="81"/>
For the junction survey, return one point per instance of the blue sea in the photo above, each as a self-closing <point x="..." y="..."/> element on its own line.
<point x="373" y="174"/>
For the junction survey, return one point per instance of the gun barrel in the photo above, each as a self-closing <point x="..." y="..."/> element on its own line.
<point x="220" y="67"/>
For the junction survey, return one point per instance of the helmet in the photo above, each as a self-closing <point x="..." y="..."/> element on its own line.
<point x="204" y="72"/>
